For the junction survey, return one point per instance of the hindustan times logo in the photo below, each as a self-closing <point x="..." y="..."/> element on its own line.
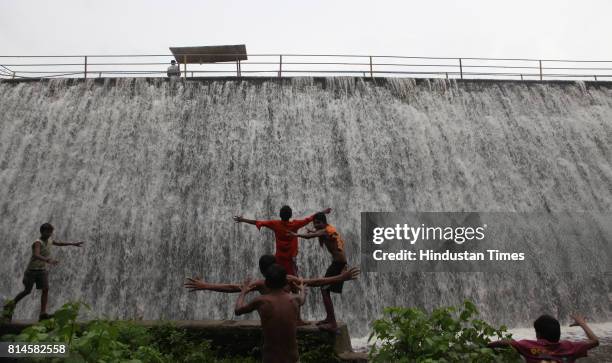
<point x="412" y="234"/>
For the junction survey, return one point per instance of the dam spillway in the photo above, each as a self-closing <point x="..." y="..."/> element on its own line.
<point x="149" y="173"/>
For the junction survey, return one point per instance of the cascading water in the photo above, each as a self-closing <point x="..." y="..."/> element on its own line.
<point x="150" y="172"/>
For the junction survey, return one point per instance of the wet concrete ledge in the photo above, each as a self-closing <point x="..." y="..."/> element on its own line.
<point x="225" y="333"/>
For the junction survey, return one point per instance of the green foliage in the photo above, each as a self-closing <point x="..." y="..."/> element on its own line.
<point x="8" y="308"/>
<point x="315" y="349"/>
<point x="448" y="334"/>
<point x="104" y="341"/>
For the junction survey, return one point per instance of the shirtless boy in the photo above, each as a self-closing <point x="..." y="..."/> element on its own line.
<point x="278" y="311"/>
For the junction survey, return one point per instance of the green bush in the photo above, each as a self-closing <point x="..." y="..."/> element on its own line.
<point x="316" y="348"/>
<point x="448" y="334"/>
<point x="104" y="341"/>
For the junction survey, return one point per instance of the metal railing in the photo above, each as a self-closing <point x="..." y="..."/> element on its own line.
<point x="287" y="65"/>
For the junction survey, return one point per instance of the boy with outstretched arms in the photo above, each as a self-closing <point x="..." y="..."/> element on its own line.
<point x="36" y="272"/>
<point x="328" y="236"/>
<point x="278" y="312"/>
<point x="195" y="284"/>
<point x="548" y="347"/>
<point x="286" y="243"/>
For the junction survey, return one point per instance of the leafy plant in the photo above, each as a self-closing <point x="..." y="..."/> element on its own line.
<point x="103" y="341"/>
<point x="315" y="348"/>
<point x="449" y="334"/>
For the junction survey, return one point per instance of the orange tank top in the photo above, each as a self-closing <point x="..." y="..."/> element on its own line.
<point x="335" y="237"/>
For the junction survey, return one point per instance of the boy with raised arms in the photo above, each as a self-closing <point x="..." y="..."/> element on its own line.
<point x="548" y="346"/>
<point x="195" y="284"/>
<point x="286" y="242"/>
<point x="278" y="311"/>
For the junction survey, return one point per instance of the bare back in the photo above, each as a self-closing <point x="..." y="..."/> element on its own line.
<point x="278" y="311"/>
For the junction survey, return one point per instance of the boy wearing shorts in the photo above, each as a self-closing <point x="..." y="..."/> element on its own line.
<point x="330" y="238"/>
<point x="36" y="272"/>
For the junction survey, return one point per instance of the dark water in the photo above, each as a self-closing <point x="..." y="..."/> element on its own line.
<point x="149" y="173"/>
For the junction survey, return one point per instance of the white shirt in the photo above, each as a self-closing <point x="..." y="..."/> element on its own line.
<point x="174" y="70"/>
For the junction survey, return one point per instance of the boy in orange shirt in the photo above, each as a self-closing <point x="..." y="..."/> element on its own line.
<point x="286" y="242"/>
<point x="329" y="237"/>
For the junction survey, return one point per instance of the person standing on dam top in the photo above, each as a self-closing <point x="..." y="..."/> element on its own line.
<point x="330" y="238"/>
<point x="286" y="243"/>
<point x="278" y="311"/>
<point x="36" y="272"/>
<point x="174" y="70"/>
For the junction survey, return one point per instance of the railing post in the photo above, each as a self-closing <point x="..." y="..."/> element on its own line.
<point x="371" y="71"/>
<point x="184" y="66"/>
<point x="85" y="68"/>
<point x="280" y="65"/>
<point x="460" y="68"/>
<point x="238" y="67"/>
<point x="541" y="74"/>
<point x="13" y="74"/>
<point x="595" y="77"/>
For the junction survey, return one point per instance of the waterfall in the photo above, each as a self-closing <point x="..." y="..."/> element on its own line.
<point x="149" y="173"/>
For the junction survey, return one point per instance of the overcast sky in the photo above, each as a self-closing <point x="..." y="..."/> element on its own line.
<point x="479" y="28"/>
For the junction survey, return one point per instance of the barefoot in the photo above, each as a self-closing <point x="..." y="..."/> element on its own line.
<point x="324" y="321"/>
<point x="330" y="328"/>
<point x="301" y="322"/>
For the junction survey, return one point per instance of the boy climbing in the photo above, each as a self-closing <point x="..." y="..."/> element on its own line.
<point x="278" y="311"/>
<point x="36" y="272"/>
<point x="328" y="237"/>
<point x="286" y="244"/>
<point x="548" y="347"/>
